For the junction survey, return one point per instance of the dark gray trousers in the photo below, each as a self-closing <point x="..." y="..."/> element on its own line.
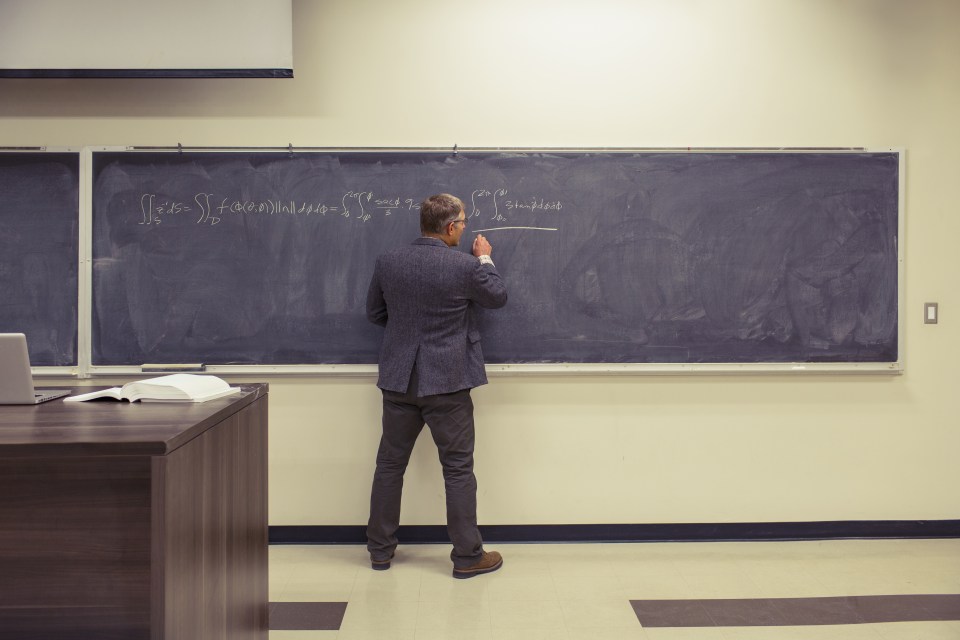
<point x="450" y="418"/>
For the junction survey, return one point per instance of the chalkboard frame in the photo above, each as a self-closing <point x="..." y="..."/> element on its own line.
<point x="88" y="369"/>
<point x="73" y="369"/>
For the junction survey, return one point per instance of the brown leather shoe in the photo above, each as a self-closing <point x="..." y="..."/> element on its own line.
<point x="489" y="562"/>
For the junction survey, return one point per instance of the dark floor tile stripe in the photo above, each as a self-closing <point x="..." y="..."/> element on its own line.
<point x="764" y="612"/>
<point x="672" y="613"/>
<point x="306" y="616"/>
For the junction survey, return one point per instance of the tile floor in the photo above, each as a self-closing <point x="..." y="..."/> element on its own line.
<point x="584" y="591"/>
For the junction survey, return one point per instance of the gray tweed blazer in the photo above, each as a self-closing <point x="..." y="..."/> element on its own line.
<point x="424" y="295"/>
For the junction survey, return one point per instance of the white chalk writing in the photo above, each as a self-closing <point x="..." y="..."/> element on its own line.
<point x="360" y="206"/>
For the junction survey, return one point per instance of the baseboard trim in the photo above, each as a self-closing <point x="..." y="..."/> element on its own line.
<point x="683" y="532"/>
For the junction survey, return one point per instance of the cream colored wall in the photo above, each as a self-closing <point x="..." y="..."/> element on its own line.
<point x="634" y="73"/>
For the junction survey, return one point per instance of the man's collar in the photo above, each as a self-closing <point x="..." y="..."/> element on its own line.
<point x="434" y="242"/>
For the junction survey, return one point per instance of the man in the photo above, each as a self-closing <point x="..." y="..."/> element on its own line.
<point x="424" y="295"/>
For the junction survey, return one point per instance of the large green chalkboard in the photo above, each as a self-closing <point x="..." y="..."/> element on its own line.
<point x="728" y="257"/>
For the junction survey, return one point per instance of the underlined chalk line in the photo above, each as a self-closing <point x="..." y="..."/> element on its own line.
<point x="503" y="228"/>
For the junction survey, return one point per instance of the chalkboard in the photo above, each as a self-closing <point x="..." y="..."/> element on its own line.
<point x="39" y="221"/>
<point x="609" y="257"/>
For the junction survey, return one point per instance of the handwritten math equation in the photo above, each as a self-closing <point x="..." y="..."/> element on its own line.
<point x="361" y="206"/>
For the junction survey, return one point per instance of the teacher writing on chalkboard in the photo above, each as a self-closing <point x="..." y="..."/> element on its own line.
<point x="424" y="295"/>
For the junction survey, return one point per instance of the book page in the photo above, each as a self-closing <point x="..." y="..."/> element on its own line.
<point x="115" y="393"/>
<point x="177" y="386"/>
<point x="231" y="391"/>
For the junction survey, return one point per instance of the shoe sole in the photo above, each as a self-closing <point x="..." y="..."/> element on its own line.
<point x="381" y="565"/>
<point x="463" y="575"/>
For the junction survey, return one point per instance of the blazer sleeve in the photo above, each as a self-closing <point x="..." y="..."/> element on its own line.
<point x="488" y="288"/>
<point x="376" y="304"/>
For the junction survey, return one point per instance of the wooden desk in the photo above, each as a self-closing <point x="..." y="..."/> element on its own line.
<point x="141" y="520"/>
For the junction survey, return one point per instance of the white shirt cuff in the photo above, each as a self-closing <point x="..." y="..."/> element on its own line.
<point x="486" y="260"/>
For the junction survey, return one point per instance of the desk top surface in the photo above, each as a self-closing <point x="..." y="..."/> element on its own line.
<point x="110" y="427"/>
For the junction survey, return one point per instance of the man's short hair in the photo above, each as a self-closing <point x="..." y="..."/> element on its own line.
<point x="438" y="211"/>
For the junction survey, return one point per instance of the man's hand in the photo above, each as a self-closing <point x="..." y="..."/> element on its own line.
<point x="481" y="247"/>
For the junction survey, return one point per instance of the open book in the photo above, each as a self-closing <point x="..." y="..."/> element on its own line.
<point x="178" y="387"/>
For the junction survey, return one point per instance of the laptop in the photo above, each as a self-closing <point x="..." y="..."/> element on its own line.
<point x="16" y="380"/>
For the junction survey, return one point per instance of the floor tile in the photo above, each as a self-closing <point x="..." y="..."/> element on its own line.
<point x="608" y="633"/>
<point x="512" y="587"/>
<point x="672" y="613"/>
<point x="379" y="616"/>
<point x="919" y="631"/>
<point x="312" y="616"/>
<point x="817" y="611"/>
<point x="939" y="607"/>
<point x="797" y="611"/>
<point x="526" y="614"/>
<point x="304" y="635"/>
<point x="552" y="633"/>
<point x="821" y="632"/>
<point x="305" y="589"/>
<point x="686" y="633"/>
<point x="598" y="613"/>
<point x="453" y="617"/>
<point x="447" y="634"/>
